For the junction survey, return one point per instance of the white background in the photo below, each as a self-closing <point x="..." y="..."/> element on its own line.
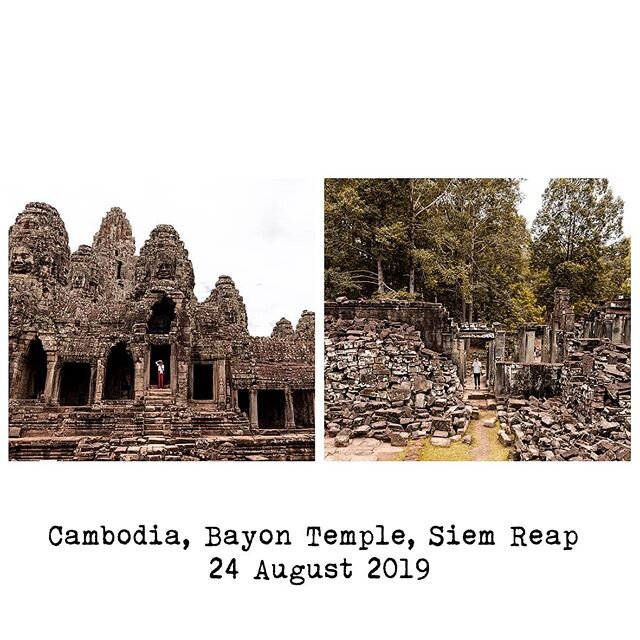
<point x="135" y="93"/>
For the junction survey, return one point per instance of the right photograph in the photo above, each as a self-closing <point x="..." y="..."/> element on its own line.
<point x="473" y="319"/>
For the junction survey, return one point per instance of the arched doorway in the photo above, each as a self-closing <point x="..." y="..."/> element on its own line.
<point x="34" y="371"/>
<point x="75" y="382"/>
<point x="163" y="313"/>
<point x="118" y="381"/>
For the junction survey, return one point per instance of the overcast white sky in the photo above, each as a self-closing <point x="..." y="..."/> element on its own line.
<point x="259" y="232"/>
<point x="533" y="188"/>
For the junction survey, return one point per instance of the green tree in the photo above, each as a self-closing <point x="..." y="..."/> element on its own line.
<point x="472" y="247"/>
<point x="363" y="233"/>
<point x="580" y="219"/>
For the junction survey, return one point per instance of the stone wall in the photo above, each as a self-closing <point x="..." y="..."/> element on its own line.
<point x="611" y="320"/>
<point x="540" y="380"/>
<point x="381" y="381"/>
<point x="235" y="448"/>
<point x="429" y="318"/>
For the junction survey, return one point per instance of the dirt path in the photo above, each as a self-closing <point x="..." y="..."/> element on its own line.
<point x="485" y="445"/>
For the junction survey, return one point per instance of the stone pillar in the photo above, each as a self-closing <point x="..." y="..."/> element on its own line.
<point x="546" y="345"/>
<point x="529" y="344"/>
<point x="140" y="375"/>
<point x="99" y="381"/>
<point x="491" y="362"/>
<point x="49" y="386"/>
<point x="15" y="386"/>
<point x="616" y="330"/>
<point x="499" y="381"/>
<point x="174" y="373"/>
<point x="289" y="417"/>
<point x="220" y="383"/>
<point x="500" y="344"/>
<point x="627" y="330"/>
<point x="253" y="409"/>
<point x="234" y="398"/>
<point x="461" y="359"/>
<point x="92" y="384"/>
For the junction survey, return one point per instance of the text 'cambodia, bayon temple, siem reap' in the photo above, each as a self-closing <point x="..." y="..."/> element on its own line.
<point x="90" y="333"/>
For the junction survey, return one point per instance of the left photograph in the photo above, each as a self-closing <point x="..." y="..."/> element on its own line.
<point x="180" y="349"/>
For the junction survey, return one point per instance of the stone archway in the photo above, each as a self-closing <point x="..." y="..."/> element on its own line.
<point x="33" y="375"/>
<point x="119" y="375"/>
<point x="473" y="338"/>
<point x="163" y="313"/>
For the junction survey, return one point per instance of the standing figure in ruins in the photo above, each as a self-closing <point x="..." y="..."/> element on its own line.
<point x="477" y="370"/>
<point x="160" y="366"/>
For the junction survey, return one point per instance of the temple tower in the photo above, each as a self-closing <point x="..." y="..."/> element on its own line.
<point x="115" y="247"/>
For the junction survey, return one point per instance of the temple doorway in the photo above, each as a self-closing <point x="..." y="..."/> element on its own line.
<point x="160" y="352"/>
<point x="75" y="379"/>
<point x="243" y="400"/>
<point x="118" y="384"/>
<point x="203" y="381"/>
<point x="271" y="409"/>
<point x="34" y="372"/>
<point x="303" y="408"/>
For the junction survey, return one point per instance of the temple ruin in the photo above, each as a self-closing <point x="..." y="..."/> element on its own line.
<point x="86" y="328"/>
<point x="399" y="372"/>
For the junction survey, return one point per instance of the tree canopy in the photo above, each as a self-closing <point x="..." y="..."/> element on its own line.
<point x="462" y="242"/>
<point x="578" y="243"/>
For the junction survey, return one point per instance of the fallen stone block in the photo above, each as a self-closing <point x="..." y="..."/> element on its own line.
<point x="399" y="438"/>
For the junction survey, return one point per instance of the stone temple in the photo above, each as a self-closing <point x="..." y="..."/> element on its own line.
<point x="86" y="328"/>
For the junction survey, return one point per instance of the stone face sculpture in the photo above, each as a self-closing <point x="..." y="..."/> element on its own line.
<point x="21" y="260"/>
<point x="227" y="305"/>
<point x="283" y="329"/>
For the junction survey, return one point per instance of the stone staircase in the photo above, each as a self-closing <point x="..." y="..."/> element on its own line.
<point x="480" y="398"/>
<point x="158" y="413"/>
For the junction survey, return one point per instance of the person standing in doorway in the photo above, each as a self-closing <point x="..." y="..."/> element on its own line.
<point x="477" y="370"/>
<point x="160" y="366"/>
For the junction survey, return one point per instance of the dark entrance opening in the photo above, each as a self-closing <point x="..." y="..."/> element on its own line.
<point x="243" y="400"/>
<point x="271" y="409"/>
<point x="303" y="407"/>
<point x="34" y="372"/>
<point x="162" y="314"/>
<point x="477" y="347"/>
<point x="74" y="383"/>
<point x="160" y="352"/>
<point x="118" y="382"/>
<point x="203" y="382"/>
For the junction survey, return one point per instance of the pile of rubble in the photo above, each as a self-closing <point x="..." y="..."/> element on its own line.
<point x="592" y="419"/>
<point x="382" y="382"/>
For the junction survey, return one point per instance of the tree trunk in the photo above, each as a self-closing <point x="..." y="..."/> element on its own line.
<point x="380" y="277"/>
<point x="412" y="239"/>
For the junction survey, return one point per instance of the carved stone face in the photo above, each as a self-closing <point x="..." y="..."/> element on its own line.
<point x="77" y="282"/>
<point x="21" y="260"/>
<point x="165" y="270"/>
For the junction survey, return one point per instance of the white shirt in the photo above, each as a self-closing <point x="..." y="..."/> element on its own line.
<point x="477" y="367"/>
<point x="160" y="367"/>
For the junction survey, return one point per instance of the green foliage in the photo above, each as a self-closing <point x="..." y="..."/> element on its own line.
<point x="524" y="308"/>
<point x="576" y="242"/>
<point x="462" y="242"/>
